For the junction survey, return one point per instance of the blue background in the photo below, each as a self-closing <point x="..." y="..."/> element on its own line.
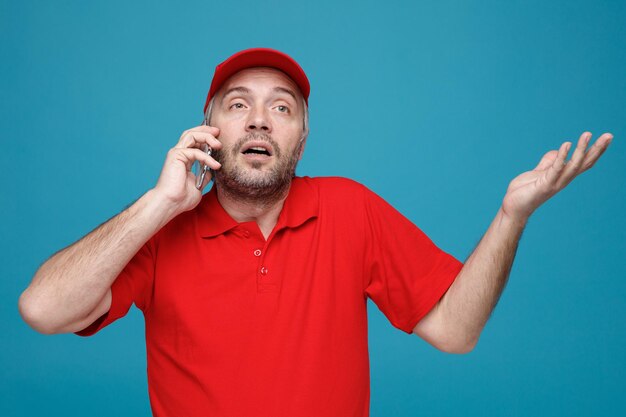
<point x="436" y="106"/>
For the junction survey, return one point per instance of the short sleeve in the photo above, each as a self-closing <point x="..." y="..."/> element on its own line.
<point x="132" y="285"/>
<point x="408" y="273"/>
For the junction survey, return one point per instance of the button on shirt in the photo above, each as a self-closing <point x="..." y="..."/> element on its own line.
<point x="237" y="325"/>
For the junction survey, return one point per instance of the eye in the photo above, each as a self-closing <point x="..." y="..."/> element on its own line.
<point x="237" y="106"/>
<point x="283" y="109"/>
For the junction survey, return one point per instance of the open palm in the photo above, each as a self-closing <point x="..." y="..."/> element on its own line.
<point x="529" y="190"/>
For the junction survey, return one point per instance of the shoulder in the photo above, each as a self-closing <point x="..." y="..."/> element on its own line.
<point x="334" y="186"/>
<point x="343" y="197"/>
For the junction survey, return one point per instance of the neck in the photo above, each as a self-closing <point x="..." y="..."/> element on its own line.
<point x="263" y="211"/>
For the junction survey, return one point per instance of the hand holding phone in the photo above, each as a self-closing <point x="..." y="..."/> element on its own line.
<point x="201" y="172"/>
<point x="200" y="175"/>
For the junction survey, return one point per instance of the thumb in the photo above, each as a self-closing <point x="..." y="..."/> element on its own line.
<point x="546" y="161"/>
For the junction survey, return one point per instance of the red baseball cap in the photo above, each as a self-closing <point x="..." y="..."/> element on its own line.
<point x="259" y="57"/>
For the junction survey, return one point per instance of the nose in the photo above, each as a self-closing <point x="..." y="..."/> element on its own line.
<point x="258" y="121"/>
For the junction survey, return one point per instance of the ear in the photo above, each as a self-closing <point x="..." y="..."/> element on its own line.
<point x="302" y="149"/>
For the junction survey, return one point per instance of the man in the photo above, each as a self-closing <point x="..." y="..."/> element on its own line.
<point x="254" y="294"/>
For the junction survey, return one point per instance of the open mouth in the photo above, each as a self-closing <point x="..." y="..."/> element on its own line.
<point x="257" y="149"/>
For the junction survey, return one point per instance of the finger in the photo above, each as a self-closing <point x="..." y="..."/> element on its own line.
<point x="190" y="155"/>
<point x="594" y="153"/>
<point x="572" y="168"/>
<point x="195" y="138"/>
<point x="214" y="130"/>
<point x="555" y="170"/>
<point x="546" y="161"/>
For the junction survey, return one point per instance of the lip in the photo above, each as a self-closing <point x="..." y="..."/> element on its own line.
<point x="255" y="157"/>
<point x="257" y="144"/>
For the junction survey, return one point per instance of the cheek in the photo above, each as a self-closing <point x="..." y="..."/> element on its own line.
<point x="290" y="127"/>
<point x="228" y="132"/>
<point x="227" y="122"/>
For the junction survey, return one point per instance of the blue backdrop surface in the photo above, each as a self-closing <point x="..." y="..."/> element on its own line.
<point x="436" y="106"/>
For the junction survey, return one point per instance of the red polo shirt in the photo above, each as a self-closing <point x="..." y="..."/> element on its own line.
<point x="237" y="325"/>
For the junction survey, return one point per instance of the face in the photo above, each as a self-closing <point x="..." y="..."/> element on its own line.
<point x="260" y="115"/>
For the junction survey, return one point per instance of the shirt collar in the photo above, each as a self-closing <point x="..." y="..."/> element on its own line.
<point x="301" y="204"/>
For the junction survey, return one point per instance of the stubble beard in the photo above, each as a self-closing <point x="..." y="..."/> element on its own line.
<point x="248" y="183"/>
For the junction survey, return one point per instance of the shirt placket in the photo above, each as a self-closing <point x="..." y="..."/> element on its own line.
<point x="267" y="282"/>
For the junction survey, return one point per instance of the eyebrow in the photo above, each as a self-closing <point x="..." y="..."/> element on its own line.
<point x="285" y="90"/>
<point x="244" y="90"/>
<point x="240" y="90"/>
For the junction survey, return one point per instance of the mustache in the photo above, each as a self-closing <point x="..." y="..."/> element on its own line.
<point x="256" y="136"/>
<point x="218" y="155"/>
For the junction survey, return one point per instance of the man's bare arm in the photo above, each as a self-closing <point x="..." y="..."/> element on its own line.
<point x="455" y="323"/>
<point x="68" y="286"/>
<point x="72" y="288"/>
<point x="473" y="295"/>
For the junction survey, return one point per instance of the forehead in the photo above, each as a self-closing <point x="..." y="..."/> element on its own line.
<point x="264" y="76"/>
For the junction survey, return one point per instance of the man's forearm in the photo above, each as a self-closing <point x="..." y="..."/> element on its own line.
<point x="68" y="286"/>
<point x="468" y="303"/>
<point x="461" y="314"/>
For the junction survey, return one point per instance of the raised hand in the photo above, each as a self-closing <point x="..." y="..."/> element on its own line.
<point x="176" y="182"/>
<point x="531" y="189"/>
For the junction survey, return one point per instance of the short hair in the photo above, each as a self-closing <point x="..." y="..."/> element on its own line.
<point x="305" y="121"/>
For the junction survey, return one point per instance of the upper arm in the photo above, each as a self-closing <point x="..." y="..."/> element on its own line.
<point x="429" y="327"/>
<point x="102" y="308"/>
<point x="434" y="330"/>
